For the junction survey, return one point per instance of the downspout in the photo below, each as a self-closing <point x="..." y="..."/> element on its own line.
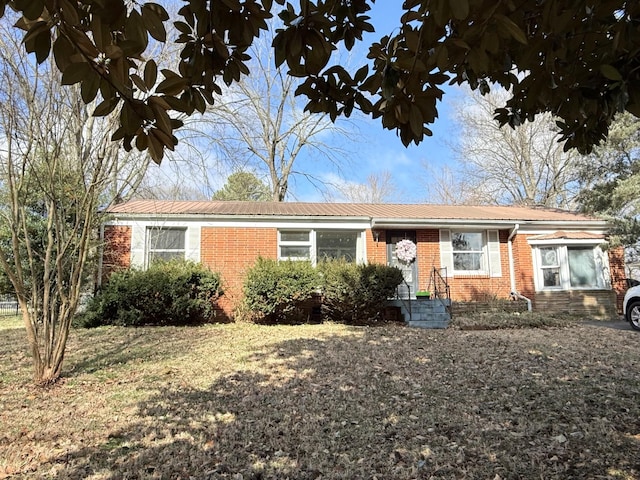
<point x="512" y="270"/>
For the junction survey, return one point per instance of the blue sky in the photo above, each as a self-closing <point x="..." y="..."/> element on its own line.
<point x="378" y="149"/>
<point x="370" y="148"/>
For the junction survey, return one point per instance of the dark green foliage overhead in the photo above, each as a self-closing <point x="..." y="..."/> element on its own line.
<point x="610" y="179"/>
<point x="578" y="59"/>
<point x="167" y="293"/>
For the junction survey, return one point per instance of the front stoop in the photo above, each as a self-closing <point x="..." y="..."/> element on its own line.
<point x="425" y="313"/>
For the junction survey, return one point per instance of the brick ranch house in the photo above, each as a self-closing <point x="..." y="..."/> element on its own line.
<point x="554" y="258"/>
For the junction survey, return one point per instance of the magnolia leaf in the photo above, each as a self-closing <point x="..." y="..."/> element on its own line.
<point x="610" y="72"/>
<point x="172" y="85"/>
<point x="150" y="74"/>
<point x="511" y="28"/>
<point x="106" y="107"/>
<point x="31" y="9"/>
<point x="460" y="8"/>
<point x="233" y="5"/>
<point x="361" y="74"/>
<point x="69" y="12"/>
<point x="416" y="121"/>
<point x="153" y="23"/>
<point x="76" y="72"/>
<point x="89" y="87"/>
<point x="42" y="46"/>
<point x="155" y="148"/>
<point x="139" y="82"/>
<point x="142" y="141"/>
<point x="159" y="10"/>
<point x="129" y="119"/>
<point x="136" y="34"/>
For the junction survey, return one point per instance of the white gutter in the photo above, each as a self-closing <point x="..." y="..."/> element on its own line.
<point x="399" y="223"/>
<point x="512" y="272"/>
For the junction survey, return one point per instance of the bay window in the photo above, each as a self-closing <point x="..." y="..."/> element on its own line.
<point x="568" y="267"/>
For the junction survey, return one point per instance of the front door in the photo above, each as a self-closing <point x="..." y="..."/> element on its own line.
<point x="409" y="269"/>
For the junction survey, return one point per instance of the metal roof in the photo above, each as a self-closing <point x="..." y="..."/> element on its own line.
<point x="384" y="212"/>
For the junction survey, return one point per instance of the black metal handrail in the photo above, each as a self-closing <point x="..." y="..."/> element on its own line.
<point x="406" y="302"/>
<point x="441" y="289"/>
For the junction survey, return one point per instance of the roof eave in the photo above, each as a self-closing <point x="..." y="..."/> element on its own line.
<point x="486" y="223"/>
<point x="239" y="218"/>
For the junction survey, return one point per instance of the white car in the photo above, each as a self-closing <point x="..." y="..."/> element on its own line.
<point x="631" y="307"/>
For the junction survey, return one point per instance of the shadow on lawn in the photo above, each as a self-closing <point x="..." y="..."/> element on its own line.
<point x="350" y="407"/>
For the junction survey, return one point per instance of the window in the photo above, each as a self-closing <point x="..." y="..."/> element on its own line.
<point x="318" y="245"/>
<point x="582" y="267"/>
<point x="165" y="243"/>
<point x="471" y="252"/>
<point x="468" y="251"/>
<point x="567" y="267"/>
<point x="550" y="266"/>
<point x="295" y="245"/>
<point x="335" y="245"/>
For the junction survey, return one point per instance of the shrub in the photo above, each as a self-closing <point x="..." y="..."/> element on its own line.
<point x="278" y="292"/>
<point x="357" y="294"/>
<point x="167" y="293"/>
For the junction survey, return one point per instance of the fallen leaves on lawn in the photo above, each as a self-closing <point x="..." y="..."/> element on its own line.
<point x="327" y="402"/>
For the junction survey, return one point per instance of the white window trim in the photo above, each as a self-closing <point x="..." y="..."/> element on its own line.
<point x="563" y="261"/>
<point x="312" y="243"/>
<point x="484" y="270"/>
<point x="147" y="242"/>
<point x="491" y="254"/>
<point x="297" y="243"/>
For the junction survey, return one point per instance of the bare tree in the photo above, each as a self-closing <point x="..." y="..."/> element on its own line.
<point x="377" y="188"/>
<point x="259" y="125"/>
<point x="58" y="166"/>
<point x="523" y="165"/>
<point x="449" y="187"/>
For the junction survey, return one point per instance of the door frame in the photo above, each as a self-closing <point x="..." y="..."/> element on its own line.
<point x="392" y="237"/>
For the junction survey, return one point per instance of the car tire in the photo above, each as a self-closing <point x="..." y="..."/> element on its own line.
<point x="633" y="314"/>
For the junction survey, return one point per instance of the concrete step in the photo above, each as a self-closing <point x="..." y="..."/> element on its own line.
<point x="431" y="323"/>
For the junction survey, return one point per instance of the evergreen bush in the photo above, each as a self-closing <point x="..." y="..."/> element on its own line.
<point x="279" y="292"/>
<point x="176" y="292"/>
<point x="357" y="294"/>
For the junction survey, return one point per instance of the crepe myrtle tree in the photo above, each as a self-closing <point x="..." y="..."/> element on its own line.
<point x="58" y="167"/>
<point x="579" y="59"/>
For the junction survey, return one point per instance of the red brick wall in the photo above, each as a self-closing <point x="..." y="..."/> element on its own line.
<point x="231" y="251"/>
<point x="482" y="288"/>
<point x="577" y="301"/>
<point x="618" y="282"/>
<point x="463" y="288"/>
<point x="523" y="266"/>
<point x="117" y="249"/>
<point x="376" y="249"/>
<point x="428" y="255"/>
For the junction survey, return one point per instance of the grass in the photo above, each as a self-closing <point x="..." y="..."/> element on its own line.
<point x="327" y="402"/>
<point x="10" y="322"/>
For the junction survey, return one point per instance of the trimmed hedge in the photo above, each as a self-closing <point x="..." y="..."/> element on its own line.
<point x="357" y="294"/>
<point x="167" y="293"/>
<point x="276" y="292"/>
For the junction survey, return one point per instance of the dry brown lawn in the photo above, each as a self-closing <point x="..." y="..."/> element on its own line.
<point x="242" y="401"/>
